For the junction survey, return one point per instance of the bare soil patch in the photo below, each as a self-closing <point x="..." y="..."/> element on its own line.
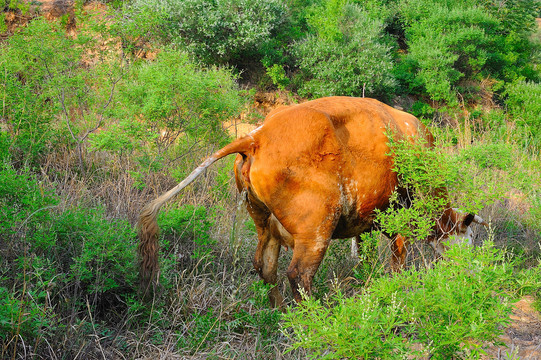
<point x="522" y="338"/>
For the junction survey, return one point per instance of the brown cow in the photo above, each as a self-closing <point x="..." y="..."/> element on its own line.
<point x="311" y="173"/>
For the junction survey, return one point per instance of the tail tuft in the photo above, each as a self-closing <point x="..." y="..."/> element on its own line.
<point x="148" y="249"/>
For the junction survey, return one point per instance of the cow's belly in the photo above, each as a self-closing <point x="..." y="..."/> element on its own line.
<point x="349" y="226"/>
<point x="358" y="211"/>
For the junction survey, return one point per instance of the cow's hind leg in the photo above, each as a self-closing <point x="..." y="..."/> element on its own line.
<point x="304" y="264"/>
<point x="266" y="262"/>
<point x="399" y="251"/>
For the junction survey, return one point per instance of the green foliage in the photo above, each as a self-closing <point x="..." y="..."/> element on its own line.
<point x="346" y="53"/>
<point x="165" y="99"/>
<point x="77" y="254"/>
<point x="33" y="64"/>
<point x="24" y="316"/>
<point x="122" y="138"/>
<point x="369" y="266"/>
<point x="278" y="76"/>
<point x="24" y="206"/>
<point x="451" y="310"/>
<point x="265" y="320"/>
<point x="99" y="253"/>
<point x="429" y="178"/>
<point x="457" y="41"/>
<point x="218" y="32"/>
<point x="23" y="6"/>
<point x="102" y="256"/>
<point x="50" y="100"/>
<point x="524" y="102"/>
<point x="422" y="110"/>
<point x="423" y="176"/>
<point x="494" y="155"/>
<point x="189" y="223"/>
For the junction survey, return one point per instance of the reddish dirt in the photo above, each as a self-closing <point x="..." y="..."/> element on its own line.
<point x="522" y="338"/>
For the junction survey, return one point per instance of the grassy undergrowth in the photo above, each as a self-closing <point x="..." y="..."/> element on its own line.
<point x="452" y="310"/>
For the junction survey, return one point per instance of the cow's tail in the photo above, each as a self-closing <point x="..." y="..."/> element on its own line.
<point x="148" y="227"/>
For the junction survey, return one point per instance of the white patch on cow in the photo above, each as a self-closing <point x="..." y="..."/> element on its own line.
<point x="352" y="188"/>
<point x="320" y="242"/>
<point x="354" y="248"/>
<point x="462" y="237"/>
<point x="255" y="131"/>
<point x="438" y="246"/>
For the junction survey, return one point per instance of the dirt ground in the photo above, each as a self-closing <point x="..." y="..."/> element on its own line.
<point x="522" y="338"/>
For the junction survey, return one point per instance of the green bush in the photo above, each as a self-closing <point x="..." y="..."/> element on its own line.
<point x="218" y="32"/>
<point x="278" y="76"/>
<point x="99" y="254"/>
<point x="188" y="223"/>
<point x="33" y="61"/>
<point x="56" y="262"/>
<point x="22" y="316"/>
<point x="53" y="97"/>
<point x="459" y="41"/>
<point x="422" y="110"/>
<point x="346" y="53"/>
<point x="452" y="310"/>
<point x="433" y="179"/>
<point x="422" y="172"/>
<point x="493" y="155"/>
<point x="25" y="208"/>
<point x="164" y="100"/>
<point x="524" y="103"/>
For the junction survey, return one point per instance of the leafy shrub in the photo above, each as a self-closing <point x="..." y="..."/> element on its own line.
<point x="450" y="310"/>
<point x="24" y="207"/>
<point x="164" y="99"/>
<point x="188" y="223"/>
<point x="346" y="54"/>
<point x="422" y="109"/>
<point x="465" y="40"/>
<point x="448" y="43"/>
<point x="52" y="100"/>
<point x="22" y="316"/>
<point x="434" y="179"/>
<point x="494" y="155"/>
<point x="524" y="102"/>
<point x="48" y="256"/>
<point x="218" y="32"/>
<point x="278" y="76"/>
<point x="32" y="63"/>
<point x="369" y="266"/>
<point x="423" y="173"/>
<point x="99" y="253"/>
